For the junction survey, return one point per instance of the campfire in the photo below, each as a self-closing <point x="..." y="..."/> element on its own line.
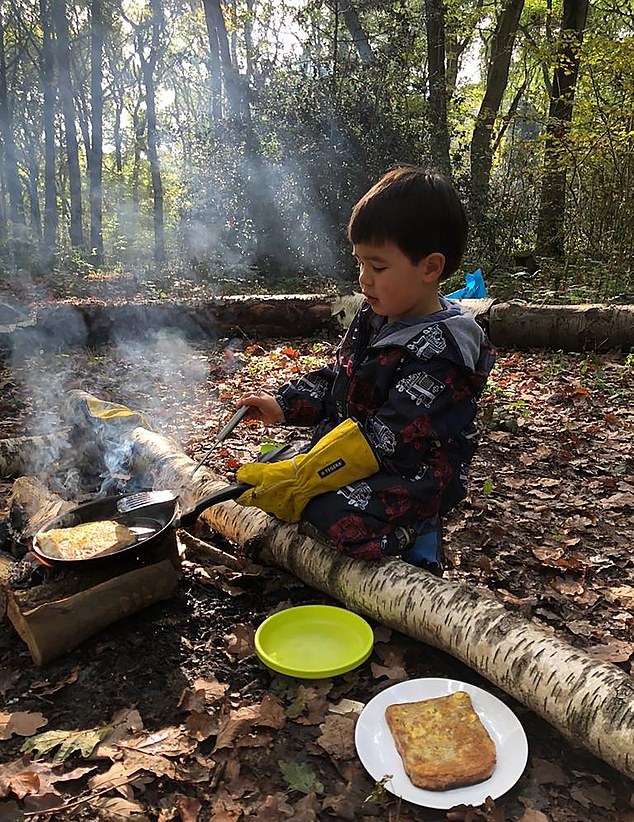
<point x="55" y="604"/>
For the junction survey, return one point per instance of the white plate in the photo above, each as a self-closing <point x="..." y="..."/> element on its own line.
<point x="380" y="758"/>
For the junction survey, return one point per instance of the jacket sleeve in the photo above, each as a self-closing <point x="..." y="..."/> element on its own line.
<point x="432" y="403"/>
<point x="307" y="400"/>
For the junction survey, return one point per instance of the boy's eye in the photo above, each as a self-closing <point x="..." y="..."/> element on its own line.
<point x="379" y="267"/>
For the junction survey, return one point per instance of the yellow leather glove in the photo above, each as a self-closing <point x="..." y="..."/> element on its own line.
<point x="285" y="488"/>
<point x="113" y="412"/>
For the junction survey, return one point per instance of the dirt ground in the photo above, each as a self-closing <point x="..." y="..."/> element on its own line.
<point x="218" y="737"/>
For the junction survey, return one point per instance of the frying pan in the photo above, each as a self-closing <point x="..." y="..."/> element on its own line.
<point x="151" y="524"/>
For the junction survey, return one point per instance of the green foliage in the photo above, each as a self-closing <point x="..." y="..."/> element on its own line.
<point x="301" y="778"/>
<point x="67" y="742"/>
<point x="259" y="200"/>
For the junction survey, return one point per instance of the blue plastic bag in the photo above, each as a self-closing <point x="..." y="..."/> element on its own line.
<point x="475" y="287"/>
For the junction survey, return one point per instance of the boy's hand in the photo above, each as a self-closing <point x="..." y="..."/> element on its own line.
<point x="285" y="488"/>
<point x="263" y="407"/>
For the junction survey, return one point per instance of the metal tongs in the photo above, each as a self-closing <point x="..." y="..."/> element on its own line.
<point x="143" y="498"/>
<point x="222" y="435"/>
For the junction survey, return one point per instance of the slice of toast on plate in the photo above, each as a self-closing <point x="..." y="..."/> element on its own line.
<point x="442" y="742"/>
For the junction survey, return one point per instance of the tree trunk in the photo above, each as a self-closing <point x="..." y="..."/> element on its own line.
<point x="590" y="702"/>
<point x="148" y="66"/>
<point x="232" y="84"/>
<point x="248" y="40"/>
<point x="68" y="107"/>
<point x="138" y="124"/>
<point x="439" y="129"/>
<point x="481" y="141"/>
<point x="16" y="206"/>
<point x="96" y="121"/>
<point x="552" y="209"/>
<point x="118" y="156"/>
<point x="272" y="245"/>
<point x="48" y="121"/>
<point x="215" y="76"/>
<point x="359" y="37"/>
<point x="33" y="176"/>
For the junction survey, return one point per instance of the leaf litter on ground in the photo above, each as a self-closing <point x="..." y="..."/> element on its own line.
<point x="545" y="530"/>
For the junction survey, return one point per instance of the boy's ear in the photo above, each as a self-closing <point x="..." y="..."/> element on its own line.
<point x="433" y="265"/>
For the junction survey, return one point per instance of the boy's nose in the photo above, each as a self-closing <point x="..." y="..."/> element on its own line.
<point x="363" y="275"/>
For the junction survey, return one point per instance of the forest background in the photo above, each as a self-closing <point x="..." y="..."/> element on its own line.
<point x="225" y="143"/>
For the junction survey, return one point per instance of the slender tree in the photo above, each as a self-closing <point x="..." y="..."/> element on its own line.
<point x="12" y="180"/>
<point x="550" y="229"/>
<point x="48" y="119"/>
<point x="148" y="68"/>
<point x="96" y="121"/>
<point x="215" y="75"/>
<point x="439" y="129"/>
<point x="496" y="82"/>
<point x="359" y="37"/>
<point x="58" y="8"/>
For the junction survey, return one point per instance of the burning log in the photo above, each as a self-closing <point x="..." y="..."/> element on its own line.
<point x="588" y="701"/>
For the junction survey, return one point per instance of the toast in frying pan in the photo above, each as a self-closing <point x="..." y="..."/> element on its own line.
<point x="442" y="742"/>
<point x="86" y="540"/>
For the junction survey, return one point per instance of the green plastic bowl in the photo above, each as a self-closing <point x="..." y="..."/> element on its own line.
<point x="313" y="641"/>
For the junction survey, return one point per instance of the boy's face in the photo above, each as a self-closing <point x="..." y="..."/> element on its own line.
<point x="393" y="285"/>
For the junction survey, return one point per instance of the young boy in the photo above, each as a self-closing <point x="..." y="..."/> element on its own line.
<point x="394" y="413"/>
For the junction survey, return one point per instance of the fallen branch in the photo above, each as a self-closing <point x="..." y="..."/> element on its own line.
<point x="198" y="547"/>
<point x="590" y="702"/>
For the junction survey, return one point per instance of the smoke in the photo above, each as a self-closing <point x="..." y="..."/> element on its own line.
<point x="154" y="370"/>
<point x="163" y="369"/>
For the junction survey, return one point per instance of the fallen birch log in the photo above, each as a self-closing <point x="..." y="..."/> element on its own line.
<point x="588" y="701"/>
<point x="20" y="454"/>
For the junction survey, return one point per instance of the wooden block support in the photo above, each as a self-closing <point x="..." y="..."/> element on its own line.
<point x="57" y="627"/>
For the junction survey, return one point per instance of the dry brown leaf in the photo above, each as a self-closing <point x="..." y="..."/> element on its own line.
<point x="8" y="678"/>
<point x="593" y="795"/>
<point x="269" y="713"/>
<point x="545" y="772"/>
<point x="310" y="705"/>
<point x="337" y="736"/>
<point x="188" y="808"/>
<point x="191" y="700"/>
<point x="568" y="586"/>
<point x="306" y="809"/>
<point x="547" y="554"/>
<point x="24" y="778"/>
<point x="614" y="650"/>
<point x="201" y="726"/>
<point x="237" y="723"/>
<point x="114" y="808"/>
<point x="533" y="815"/>
<point x="393" y="667"/>
<point x="272" y="714"/>
<point x="21" y="777"/>
<point x="170" y="741"/>
<point x="240" y="643"/>
<point x="274" y="808"/>
<point x="20" y="723"/>
<point x="45" y="688"/>
<point x="621" y="595"/>
<point x="124" y="723"/>
<point x="213" y="689"/>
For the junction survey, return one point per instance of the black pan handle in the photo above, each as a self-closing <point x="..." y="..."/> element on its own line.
<point x="228" y="492"/>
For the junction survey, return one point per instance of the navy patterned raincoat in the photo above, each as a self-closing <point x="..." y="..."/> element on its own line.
<point x="413" y="387"/>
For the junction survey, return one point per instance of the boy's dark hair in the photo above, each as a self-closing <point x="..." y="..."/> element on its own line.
<point x="418" y="210"/>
